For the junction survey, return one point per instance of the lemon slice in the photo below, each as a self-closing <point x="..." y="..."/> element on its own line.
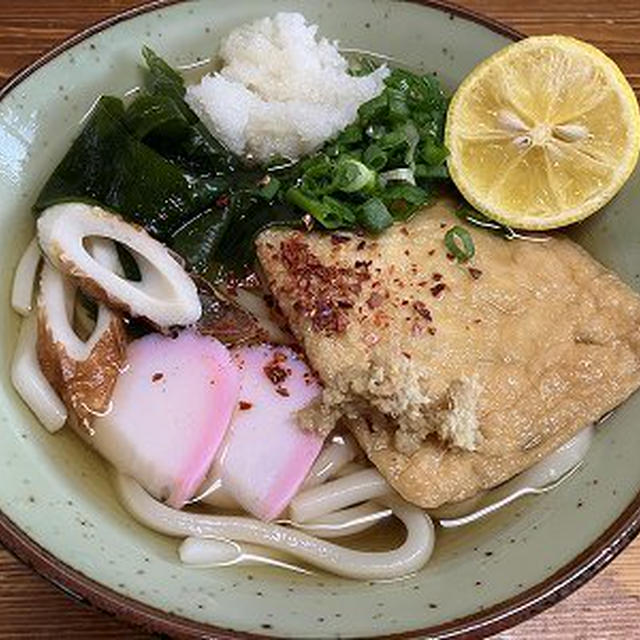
<point x="543" y="133"/>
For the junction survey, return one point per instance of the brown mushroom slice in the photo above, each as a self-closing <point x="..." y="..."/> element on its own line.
<point x="84" y="373"/>
<point x="166" y="295"/>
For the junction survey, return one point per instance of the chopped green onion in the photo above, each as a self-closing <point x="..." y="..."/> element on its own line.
<point x="317" y="165"/>
<point x="368" y="175"/>
<point x="300" y="199"/>
<point x="403" y="199"/>
<point x="405" y="191"/>
<point x="393" y="139"/>
<point x="413" y="139"/>
<point x="433" y="153"/>
<point x="351" y="175"/>
<point x="372" y="109"/>
<point x="374" y="216"/>
<point x="376" y="131"/>
<point x="432" y="173"/>
<point x="337" y="210"/>
<point x="270" y="187"/>
<point x="459" y="243"/>
<point x="333" y="150"/>
<point x="398" y="108"/>
<point x="374" y="157"/>
<point x="354" y="154"/>
<point x="329" y="212"/>
<point x="317" y="178"/>
<point x="350" y="135"/>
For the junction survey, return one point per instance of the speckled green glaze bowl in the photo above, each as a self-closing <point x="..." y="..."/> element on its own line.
<point x="58" y="511"/>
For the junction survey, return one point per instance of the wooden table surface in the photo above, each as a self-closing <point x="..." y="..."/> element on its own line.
<point x="606" y="608"/>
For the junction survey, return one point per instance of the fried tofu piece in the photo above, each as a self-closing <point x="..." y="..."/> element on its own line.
<point x="455" y="377"/>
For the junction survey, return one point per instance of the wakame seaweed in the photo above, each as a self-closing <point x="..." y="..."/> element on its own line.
<point x="248" y="216"/>
<point x="169" y="125"/>
<point x="107" y="165"/>
<point x="198" y="239"/>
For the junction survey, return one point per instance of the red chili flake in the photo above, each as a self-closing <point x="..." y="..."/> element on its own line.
<point x="222" y="201"/>
<point x="450" y="256"/>
<point x="421" y="309"/>
<point x="274" y="369"/>
<point x="328" y="318"/>
<point x="432" y="331"/>
<point x="375" y="300"/>
<point x="244" y="406"/>
<point x="437" y="289"/>
<point x="283" y="392"/>
<point x="406" y="355"/>
<point x="337" y="239"/>
<point x="405" y="303"/>
<point x="437" y="277"/>
<point x="361" y="245"/>
<point x="156" y="377"/>
<point x="477" y="321"/>
<point x="323" y="293"/>
<point x="475" y="273"/>
<point x="404" y="231"/>
<point x="407" y="252"/>
<point x="431" y="252"/>
<point x="423" y="283"/>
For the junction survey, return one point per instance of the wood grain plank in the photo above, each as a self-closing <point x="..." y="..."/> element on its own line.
<point x="608" y="607"/>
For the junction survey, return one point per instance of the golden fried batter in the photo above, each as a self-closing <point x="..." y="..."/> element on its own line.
<point x="454" y="377"/>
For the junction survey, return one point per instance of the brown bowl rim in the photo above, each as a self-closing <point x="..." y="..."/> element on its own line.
<point x="478" y="625"/>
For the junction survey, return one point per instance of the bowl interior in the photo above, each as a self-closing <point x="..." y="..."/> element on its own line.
<point x="58" y="491"/>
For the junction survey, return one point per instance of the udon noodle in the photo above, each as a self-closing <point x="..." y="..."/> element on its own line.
<point x="336" y="507"/>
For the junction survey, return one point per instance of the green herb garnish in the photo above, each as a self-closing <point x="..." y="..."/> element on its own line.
<point x="393" y="154"/>
<point x="459" y="244"/>
<point x="374" y="216"/>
